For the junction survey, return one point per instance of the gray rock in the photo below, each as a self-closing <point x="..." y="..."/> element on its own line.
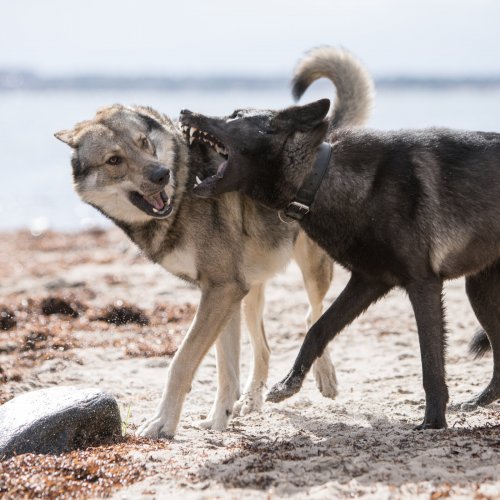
<point x="58" y="419"/>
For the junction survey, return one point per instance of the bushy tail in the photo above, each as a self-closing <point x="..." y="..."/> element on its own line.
<point x="480" y="344"/>
<point x="354" y="84"/>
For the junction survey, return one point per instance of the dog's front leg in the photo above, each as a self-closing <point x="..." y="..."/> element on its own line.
<point x="218" y="304"/>
<point x="228" y="375"/>
<point x="253" y="305"/>
<point x="426" y="299"/>
<point x="317" y="271"/>
<point x="354" y="299"/>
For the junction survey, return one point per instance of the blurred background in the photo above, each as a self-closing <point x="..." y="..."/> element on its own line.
<point x="435" y="63"/>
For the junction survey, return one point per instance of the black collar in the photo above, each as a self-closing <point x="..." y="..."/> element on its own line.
<point x="298" y="208"/>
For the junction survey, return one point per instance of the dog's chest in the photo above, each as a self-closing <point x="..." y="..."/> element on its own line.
<point x="181" y="262"/>
<point x="261" y="263"/>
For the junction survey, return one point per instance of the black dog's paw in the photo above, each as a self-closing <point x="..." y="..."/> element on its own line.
<point x="431" y="424"/>
<point x="489" y="395"/>
<point x="283" y="390"/>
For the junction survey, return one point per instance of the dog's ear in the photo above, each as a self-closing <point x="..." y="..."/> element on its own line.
<point x="67" y="136"/>
<point x="304" y="118"/>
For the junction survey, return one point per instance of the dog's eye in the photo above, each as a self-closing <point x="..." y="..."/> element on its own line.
<point x="114" y="160"/>
<point x="144" y="143"/>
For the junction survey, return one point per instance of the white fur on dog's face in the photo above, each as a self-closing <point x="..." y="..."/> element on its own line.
<point x="111" y="199"/>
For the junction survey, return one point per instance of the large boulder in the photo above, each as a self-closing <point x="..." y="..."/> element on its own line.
<point x="58" y="419"/>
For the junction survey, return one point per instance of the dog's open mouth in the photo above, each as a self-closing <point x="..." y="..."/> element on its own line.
<point x="193" y="134"/>
<point x="156" y="205"/>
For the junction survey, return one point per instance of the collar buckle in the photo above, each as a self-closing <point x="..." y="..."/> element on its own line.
<point x="296" y="210"/>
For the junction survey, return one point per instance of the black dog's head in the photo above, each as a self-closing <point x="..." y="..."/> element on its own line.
<point x="260" y="148"/>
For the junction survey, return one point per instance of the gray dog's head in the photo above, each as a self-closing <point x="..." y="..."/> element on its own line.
<point x="122" y="162"/>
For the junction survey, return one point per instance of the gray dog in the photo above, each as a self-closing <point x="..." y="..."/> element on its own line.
<point x="405" y="209"/>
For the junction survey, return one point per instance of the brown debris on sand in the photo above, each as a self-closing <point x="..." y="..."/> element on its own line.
<point x="57" y="305"/>
<point x="49" y="328"/>
<point x="7" y="319"/>
<point x="90" y="473"/>
<point x="121" y="313"/>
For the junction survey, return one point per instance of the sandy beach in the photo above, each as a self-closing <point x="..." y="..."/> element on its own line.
<point x="87" y="309"/>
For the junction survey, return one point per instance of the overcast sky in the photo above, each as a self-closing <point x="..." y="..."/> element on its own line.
<point x="255" y="37"/>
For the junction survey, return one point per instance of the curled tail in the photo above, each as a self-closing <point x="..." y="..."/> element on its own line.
<point x="479" y="344"/>
<point x="354" y="84"/>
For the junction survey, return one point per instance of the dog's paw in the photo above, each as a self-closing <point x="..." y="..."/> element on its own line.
<point x="431" y="424"/>
<point x="248" y="403"/>
<point x="284" y="390"/>
<point x="489" y="395"/>
<point x="471" y="405"/>
<point x="155" y="429"/>
<point x="326" y="380"/>
<point x="214" y="424"/>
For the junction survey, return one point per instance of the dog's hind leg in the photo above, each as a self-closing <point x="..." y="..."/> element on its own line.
<point x="483" y="290"/>
<point x="317" y="272"/>
<point x="253" y="306"/>
<point x="426" y="299"/>
<point x="354" y="299"/>
<point x="219" y="303"/>
<point x="227" y="348"/>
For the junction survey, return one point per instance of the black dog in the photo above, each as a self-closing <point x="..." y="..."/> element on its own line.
<point x="407" y="209"/>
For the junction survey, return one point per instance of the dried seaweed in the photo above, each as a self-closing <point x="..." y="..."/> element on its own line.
<point x="121" y="313"/>
<point x="57" y="305"/>
<point x="78" y="474"/>
<point x="7" y="319"/>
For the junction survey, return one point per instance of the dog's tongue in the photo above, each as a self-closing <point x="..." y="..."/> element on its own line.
<point x="208" y="187"/>
<point x="221" y="169"/>
<point x="155" y="200"/>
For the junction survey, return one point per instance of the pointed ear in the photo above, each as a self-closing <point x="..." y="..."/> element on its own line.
<point x="66" y="136"/>
<point x="307" y="117"/>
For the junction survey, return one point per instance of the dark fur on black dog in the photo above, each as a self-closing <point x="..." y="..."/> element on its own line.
<point x="405" y="209"/>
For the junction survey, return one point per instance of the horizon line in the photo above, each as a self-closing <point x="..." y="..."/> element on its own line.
<point x="11" y="80"/>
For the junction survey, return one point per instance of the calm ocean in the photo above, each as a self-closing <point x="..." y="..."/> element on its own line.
<point x="35" y="180"/>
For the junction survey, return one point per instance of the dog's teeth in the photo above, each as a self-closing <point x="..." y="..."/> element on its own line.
<point x="204" y="133"/>
<point x="191" y="140"/>
<point x="192" y="131"/>
<point x="155" y="210"/>
<point x="198" y="180"/>
<point x="221" y="150"/>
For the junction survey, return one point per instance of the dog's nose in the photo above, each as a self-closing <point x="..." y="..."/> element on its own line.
<point x="186" y="112"/>
<point x="159" y="175"/>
